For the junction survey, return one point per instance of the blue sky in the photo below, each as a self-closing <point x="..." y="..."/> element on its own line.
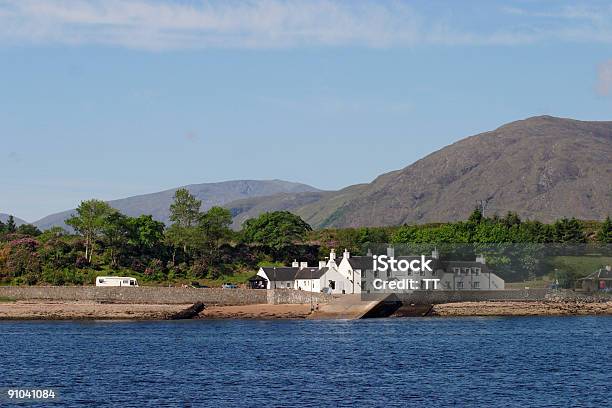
<point x="109" y="98"/>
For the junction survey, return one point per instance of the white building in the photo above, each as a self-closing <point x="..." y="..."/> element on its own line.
<point x="300" y="276"/>
<point x="351" y="274"/>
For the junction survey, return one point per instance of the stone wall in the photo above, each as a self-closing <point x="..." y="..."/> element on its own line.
<point x="443" y="296"/>
<point x="159" y="295"/>
<point x="290" y="296"/>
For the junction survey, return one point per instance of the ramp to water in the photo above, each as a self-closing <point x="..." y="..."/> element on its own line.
<point x="345" y="307"/>
<point x="354" y="307"/>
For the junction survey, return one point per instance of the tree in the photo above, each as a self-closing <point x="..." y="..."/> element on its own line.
<point x="604" y="235"/>
<point x="145" y="232"/>
<point x="185" y="215"/>
<point x="276" y="229"/>
<point x="476" y="216"/>
<point x="215" y="226"/>
<point x="89" y="222"/>
<point x="568" y="231"/>
<point x="10" y="224"/>
<point x="28" y="229"/>
<point x="185" y="210"/>
<point x="114" y="234"/>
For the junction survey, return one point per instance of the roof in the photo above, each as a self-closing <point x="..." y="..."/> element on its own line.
<point x="599" y="274"/>
<point x="311" y="273"/>
<point x="280" y="273"/>
<point x="361" y="262"/>
<point x="366" y="263"/>
<point x="448" y="265"/>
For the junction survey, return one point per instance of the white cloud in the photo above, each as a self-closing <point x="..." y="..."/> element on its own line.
<point x="159" y="25"/>
<point x="604" y="79"/>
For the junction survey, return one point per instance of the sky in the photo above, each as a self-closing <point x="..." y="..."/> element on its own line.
<point x="112" y="98"/>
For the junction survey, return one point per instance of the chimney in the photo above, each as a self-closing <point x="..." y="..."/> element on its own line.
<point x="332" y="255"/>
<point x="303" y="265"/>
<point x="435" y="254"/>
<point x="390" y="251"/>
<point x="322" y="264"/>
<point x="346" y="254"/>
<point x="481" y="259"/>
<point x="295" y="264"/>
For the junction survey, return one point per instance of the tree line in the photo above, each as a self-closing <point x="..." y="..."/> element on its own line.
<point x="202" y="245"/>
<point x="196" y="245"/>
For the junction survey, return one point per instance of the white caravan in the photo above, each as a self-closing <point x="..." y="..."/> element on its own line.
<point x="116" y="281"/>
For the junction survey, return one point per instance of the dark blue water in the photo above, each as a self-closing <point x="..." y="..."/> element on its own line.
<point x="490" y="362"/>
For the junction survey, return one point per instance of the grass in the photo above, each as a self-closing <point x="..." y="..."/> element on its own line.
<point x="582" y="265"/>
<point x="532" y="284"/>
<point x="7" y="299"/>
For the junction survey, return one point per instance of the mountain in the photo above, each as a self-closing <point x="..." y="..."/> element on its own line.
<point x="542" y="168"/>
<point x="211" y="194"/>
<point x="18" y="221"/>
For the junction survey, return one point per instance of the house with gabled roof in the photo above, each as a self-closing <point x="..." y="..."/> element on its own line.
<point x="300" y="276"/>
<point x="453" y="275"/>
<point x="600" y="280"/>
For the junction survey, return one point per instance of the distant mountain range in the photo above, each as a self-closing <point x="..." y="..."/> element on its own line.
<point x="542" y="168"/>
<point x="211" y="194"/>
<point x="18" y="221"/>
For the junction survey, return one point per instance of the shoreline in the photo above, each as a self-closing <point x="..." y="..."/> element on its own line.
<point x="89" y="310"/>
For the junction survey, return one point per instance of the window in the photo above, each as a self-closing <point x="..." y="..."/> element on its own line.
<point x="477" y="271"/>
<point x="467" y="271"/>
<point x="332" y="284"/>
<point x="288" y="284"/>
<point x="457" y="271"/>
<point x="459" y="285"/>
<point x="476" y="285"/>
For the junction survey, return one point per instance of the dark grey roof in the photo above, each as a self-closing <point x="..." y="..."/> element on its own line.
<point x="310" y="273"/>
<point x="449" y="265"/>
<point x="363" y="263"/>
<point x="280" y="273"/>
<point x="599" y="274"/>
<point x="366" y="263"/>
<point x="605" y="274"/>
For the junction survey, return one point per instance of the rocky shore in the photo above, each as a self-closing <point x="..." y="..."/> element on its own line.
<point x="524" y="308"/>
<point x="82" y="310"/>
<point x="67" y="310"/>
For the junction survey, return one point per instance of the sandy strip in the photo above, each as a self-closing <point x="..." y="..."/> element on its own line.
<point x="48" y="310"/>
<point x="263" y="311"/>
<point x="535" y="308"/>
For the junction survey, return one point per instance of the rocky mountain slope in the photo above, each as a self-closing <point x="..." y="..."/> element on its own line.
<point x="542" y="168"/>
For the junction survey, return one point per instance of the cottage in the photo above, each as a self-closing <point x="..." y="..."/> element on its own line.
<point x="351" y="274"/>
<point x="600" y="280"/>
<point x="300" y="276"/>
<point x="453" y="275"/>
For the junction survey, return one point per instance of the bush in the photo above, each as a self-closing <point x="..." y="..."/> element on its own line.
<point x="81" y="262"/>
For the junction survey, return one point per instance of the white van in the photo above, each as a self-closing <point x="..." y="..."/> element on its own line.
<point x="116" y="281"/>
